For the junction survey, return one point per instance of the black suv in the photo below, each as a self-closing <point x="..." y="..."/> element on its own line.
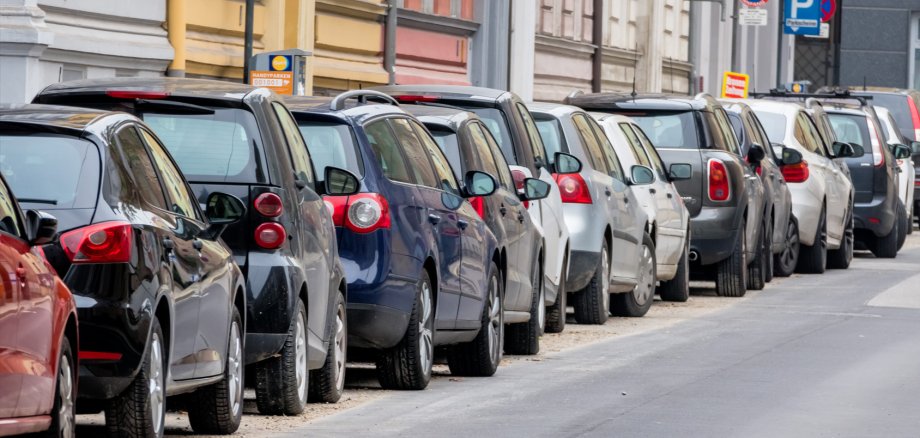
<point x="724" y="195"/>
<point x="159" y="298"/>
<point x="242" y="140"/>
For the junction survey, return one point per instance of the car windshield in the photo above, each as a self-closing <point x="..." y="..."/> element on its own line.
<point x="218" y="147"/>
<point x="447" y="141"/>
<point x="331" y="144"/>
<point x="851" y="128"/>
<point x="495" y="120"/>
<point x="52" y="172"/>
<point x="669" y="129"/>
<point x="774" y="124"/>
<point x="551" y="133"/>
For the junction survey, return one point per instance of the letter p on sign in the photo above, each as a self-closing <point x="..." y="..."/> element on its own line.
<point x="801" y="4"/>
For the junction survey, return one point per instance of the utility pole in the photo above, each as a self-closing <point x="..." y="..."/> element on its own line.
<point x="389" y="42"/>
<point x="779" y="43"/>
<point x="247" y="44"/>
<point x="736" y="31"/>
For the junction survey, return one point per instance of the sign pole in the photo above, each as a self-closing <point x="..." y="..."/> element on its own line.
<point x="736" y="30"/>
<point x="779" y="42"/>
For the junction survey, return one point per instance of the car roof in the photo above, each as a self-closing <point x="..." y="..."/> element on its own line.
<point x="182" y="87"/>
<point x="789" y="109"/>
<point x="615" y="118"/>
<point x="662" y="102"/>
<point x="64" y="119"/>
<point x="441" y="115"/>
<point x="554" y="109"/>
<point x="454" y="91"/>
<point x="354" y="111"/>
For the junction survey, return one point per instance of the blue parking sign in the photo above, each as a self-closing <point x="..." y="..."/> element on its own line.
<point x="802" y="17"/>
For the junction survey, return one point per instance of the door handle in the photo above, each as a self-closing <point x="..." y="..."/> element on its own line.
<point x="607" y="191"/>
<point x="197" y="244"/>
<point x="670" y="196"/>
<point x="169" y="244"/>
<point x="462" y="224"/>
<point x="503" y="210"/>
<point x="521" y="217"/>
<point x="434" y="219"/>
<point x="626" y="200"/>
<point x="652" y="190"/>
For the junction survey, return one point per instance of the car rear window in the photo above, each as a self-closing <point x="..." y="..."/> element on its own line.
<point x="331" y="144"/>
<point x="551" y="133"/>
<point x="774" y="124"/>
<point x="51" y="172"/>
<point x="851" y="128"/>
<point x="669" y="129"/>
<point x="219" y="147"/>
<point x="447" y="141"/>
<point x="897" y="106"/>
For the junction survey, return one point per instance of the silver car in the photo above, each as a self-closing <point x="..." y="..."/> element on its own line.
<point x="613" y="255"/>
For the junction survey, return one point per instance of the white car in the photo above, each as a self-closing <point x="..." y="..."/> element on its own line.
<point x="822" y="193"/>
<point x="661" y="202"/>
<point x="906" y="175"/>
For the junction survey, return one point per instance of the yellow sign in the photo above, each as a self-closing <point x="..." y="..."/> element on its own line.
<point x="796" y="87"/>
<point x="280" y="63"/>
<point x="735" y="85"/>
<point x="281" y="82"/>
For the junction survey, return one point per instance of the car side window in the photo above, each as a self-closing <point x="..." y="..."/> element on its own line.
<point x="805" y="133"/>
<point x="652" y="153"/>
<point x="415" y="154"/>
<point x="715" y="134"/>
<point x="592" y="147"/>
<point x="726" y="128"/>
<point x="141" y="169"/>
<point x="483" y="153"/>
<point x="635" y="145"/>
<point x="761" y="133"/>
<point x="183" y="202"/>
<point x="300" y="155"/>
<point x="9" y="218"/>
<point x="504" y="172"/>
<point x="387" y="150"/>
<point x="536" y="142"/>
<point x="446" y="180"/>
<point x="610" y="154"/>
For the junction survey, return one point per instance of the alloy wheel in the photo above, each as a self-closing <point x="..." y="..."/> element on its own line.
<point x="605" y="268"/>
<point x="791" y="244"/>
<point x="155" y="384"/>
<point x="300" y="357"/>
<point x="425" y="344"/>
<point x="65" y="388"/>
<point x="496" y="326"/>
<point x="235" y="369"/>
<point x="643" y="290"/>
<point x="340" y="348"/>
<point x="538" y="289"/>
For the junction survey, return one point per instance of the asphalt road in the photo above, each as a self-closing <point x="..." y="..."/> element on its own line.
<point x="812" y="356"/>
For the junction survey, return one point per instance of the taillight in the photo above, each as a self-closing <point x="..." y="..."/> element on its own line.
<point x="269" y="205"/>
<point x="98" y="355"/>
<point x="878" y="155"/>
<point x="519" y="177"/>
<point x="337" y="206"/>
<point x="410" y="98"/>
<point x="572" y="189"/>
<point x="796" y="173"/>
<point x="719" y="185"/>
<point x="759" y="170"/>
<point x="479" y="205"/>
<point x="367" y="212"/>
<point x="270" y="235"/>
<point x="137" y="94"/>
<point x="914" y="117"/>
<point x="106" y="242"/>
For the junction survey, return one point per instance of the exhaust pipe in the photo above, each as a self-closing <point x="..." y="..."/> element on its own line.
<point x="694" y="256"/>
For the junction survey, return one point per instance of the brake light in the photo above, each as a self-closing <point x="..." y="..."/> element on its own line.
<point x="719" y="186"/>
<point x="98" y="355"/>
<point x="915" y="117"/>
<point x="519" y="176"/>
<point x="337" y="206"/>
<point x="796" y="173"/>
<point x="106" y="242"/>
<point x="572" y="189"/>
<point x="416" y="98"/>
<point x="479" y="205"/>
<point x="269" y="205"/>
<point x="759" y="170"/>
<point x="878" y="155"/>
<point x="136" y="94"/>
<point x="270" y="235"/>
<point x="367" y="212"/>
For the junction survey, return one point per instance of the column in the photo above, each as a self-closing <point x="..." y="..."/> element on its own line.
<point x="23" y="38"/>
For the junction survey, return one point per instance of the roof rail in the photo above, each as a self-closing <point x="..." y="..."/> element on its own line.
<point x="840" y="94"/>
<point x="338" y="103"/>
<point x="574" y="94"/>
<point x="703" y="95"/>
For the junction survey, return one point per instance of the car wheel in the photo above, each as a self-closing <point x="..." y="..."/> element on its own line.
<point x="903" y="225"/>
<point x="677" y="289"/>
<point x="840" y="258"/>
<point x="886" y="247"/>
<point x="731" y="273"/>
<point x="784" y="262"/>
<point x="555" y="314"/>
<point x="768" y="250"/>
<point x="910" y="220"/>
<point x="757" y="270"/>
<point x="217" y="409"/>
<point x="524" y="338"/>
<point x="408" y="364"/>
<point x="328" y="382"/>
<point x="482" y="356"/>
<point x="813" y="259"/>
<point x="65" y="395"/>
<point x="140" y="411"/>
<point x="637" y="302"/>
<point x="282" y="381"/>
<point x="593" y="302"/>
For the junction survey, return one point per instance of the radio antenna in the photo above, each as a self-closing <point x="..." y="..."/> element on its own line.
<point x="635" y="68"/>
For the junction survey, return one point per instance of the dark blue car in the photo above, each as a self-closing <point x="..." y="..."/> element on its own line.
<point x="421" y="264"/>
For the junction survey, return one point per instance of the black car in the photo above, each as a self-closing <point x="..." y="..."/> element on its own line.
<point x="160" y="300"/>
<point x="469" y="145"/>
<point x="243" y="141"/>
<point x="724" y="196"/>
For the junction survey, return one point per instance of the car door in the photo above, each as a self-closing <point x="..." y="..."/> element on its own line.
<point x="782" y="205"/>
<point x="11" y="371"/>
<point x="836" y="189"/>
<point x="669" y="209"/>
<point x="438" y="200"/>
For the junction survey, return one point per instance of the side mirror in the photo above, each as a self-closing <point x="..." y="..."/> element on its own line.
<point x="680" y="172"/>
<point x="339" y="182"/>
<point x="222" y="210"/>
<point x="478" y="183"/>
<point x="534" y="190"/>
<point x="790" y="157"/>
<point x="901" y="152"/>
<point x="566" y="163"/>
<point x="756" y="154"/>
<point x="641" y="175"/>
<point x="42" y="227"/>
<point x="843" y="150"/>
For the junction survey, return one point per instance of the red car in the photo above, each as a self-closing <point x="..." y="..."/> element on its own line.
<point x="38" y="328"/>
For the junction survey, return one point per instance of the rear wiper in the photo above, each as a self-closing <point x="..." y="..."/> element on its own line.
<point x="171" y="107"/>
<point x="38" y="201"/>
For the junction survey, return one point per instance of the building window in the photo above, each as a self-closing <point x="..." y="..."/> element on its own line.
<point x="72" y="73"/>
<point x="462" y="9"/>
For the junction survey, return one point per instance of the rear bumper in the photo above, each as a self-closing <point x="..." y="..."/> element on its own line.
<point x="271" y="291"/>
<point x="376" y="327"/>
<point x="877" y="216"/>
<point x="582" y="267"/>
<point x="713" y="232"/>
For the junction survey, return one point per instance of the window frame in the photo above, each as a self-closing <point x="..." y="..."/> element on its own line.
<point x="504" y="169"/>
<point x="279" y="109"/>
<point x="536" y="141"/>
<point x="17" y="214"/>
<point x="435" y="151"/>
<point x="195" y="213"/>
<point x="121" y="152"/>
<point x="384" y="121"/>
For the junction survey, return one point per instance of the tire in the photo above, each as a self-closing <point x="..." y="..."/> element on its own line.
<point x="555" y="314"/>
<point x="63" y="418"/>
<point x="217" y="409"/>
<point x="592" y="303"/>
<point x="328" y="383"/>
<point x="813" y="259"/>
<point x="524" y="338"/>
<point x="886" y="247"/>
<point x="731" y="273"/>
<point x="636" y="303"/>
<point x="408" y="364"/>
<point x="768" y="255"/>
<point x="677" y="289"/>
<point x="757" y="270"/>
<point x="903" y="225"/>
<point x="840" y="258"/>
<point x="482" y="356"/>
<point x="784" y="262"/>
<point x="282" y="381"/>
<point x="140" y="411"/>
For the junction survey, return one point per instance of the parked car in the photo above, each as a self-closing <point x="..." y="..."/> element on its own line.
<point x="907" y="177"/>
<point x="723" y="195"/>
<point x="660" y="200"/>
<point x="423" y="267"/>
<point x="514" y="130"/>
<point x="613" y="248"/>
<point x="243" y="141"/>
<point x="822" y="193"/>
<point x="38" y="322"/>
<point x="159" y="297"/>
<point x="469" y="145"/>
<point x="778" y="227"/>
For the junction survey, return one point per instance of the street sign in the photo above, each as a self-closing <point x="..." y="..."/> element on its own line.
<point x="755" y="3"/>
<point x="752" y="17"/>
<point x="282" y="82"/>
<point x="735" y="85"/>
<point x="802" y="17"/>
<point x="824" y="34"/>
<point x="828" y="9"/>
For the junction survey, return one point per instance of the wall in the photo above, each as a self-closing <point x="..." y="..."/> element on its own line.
<point x="433" y="41"/>
<point x="875" y="42"/>
<point x="348" y="45"/>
